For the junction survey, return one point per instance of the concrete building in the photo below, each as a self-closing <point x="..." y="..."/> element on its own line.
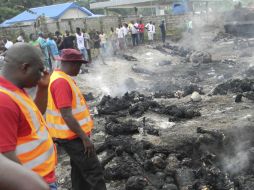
<point x="177" y="6"/>
<point x="123" y="4"/>
<point x="52" y="13"/>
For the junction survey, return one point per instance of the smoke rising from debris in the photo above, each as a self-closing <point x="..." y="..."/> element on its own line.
<point x="238" y="162"/>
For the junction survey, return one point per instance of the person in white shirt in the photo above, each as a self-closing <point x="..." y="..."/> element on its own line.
<point x="189" y="26"/>
<point x="150" y="31"/>
<point x="125" y="28"/>
<point x="20" y="38"/>
<point x="126" y="35"/>
<point x="120" y="37"/>
<point x="103" y="41"/>
<point x="7" y="43"/>
<point x="80" y="41"/>
<point x="134" y="33"/>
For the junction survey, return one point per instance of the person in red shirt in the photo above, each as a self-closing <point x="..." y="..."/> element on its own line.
<point x="23" y="68"/>
<point x="86" y="171"/>
<point x="141" y="28"/>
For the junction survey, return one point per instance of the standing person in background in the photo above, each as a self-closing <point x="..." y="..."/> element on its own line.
<point x="163" y="31"/>
<point x="97" y="42"/>
<point x="87" y="45"/>
<point x="68" y="40"/>
<point x="137" y="35"/>
<point x="189" y="27"/>
<point x="97" y="46"/>
<point x="149" y="28"/>
<point x="130" y="25"/>
<point x="21" y="37"/>
<point x="80" y="41"/>
<point x="103" y="41"/>
<point x="126" y="35"/>
<point x="120" y="37"/>
<point x="118" y="28"/>
<point x="7" y="43"/>
<point x="59" y="40"/>
<point x="34" y="41"/>
<point x="134" y="33"/>
<point x="53" y="51"/>
<point x="70" y="123"/>
<point x="44" y="48"/>
<point x="113" y="40"/>
<point x="116" y="32"/>
<point x="154" y="31"/>
<point x="141" y="28"/>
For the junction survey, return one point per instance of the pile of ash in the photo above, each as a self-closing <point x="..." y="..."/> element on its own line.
<point x="209" y="161"/>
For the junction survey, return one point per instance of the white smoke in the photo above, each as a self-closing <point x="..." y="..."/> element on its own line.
<point x="238" y="162"/>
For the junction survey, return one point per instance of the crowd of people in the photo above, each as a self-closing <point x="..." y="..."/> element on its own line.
<point x="120" y="38"/>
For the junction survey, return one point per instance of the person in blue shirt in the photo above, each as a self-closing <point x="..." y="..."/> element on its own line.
<point x="44" y="48"/>
<point x="53" y="51"/>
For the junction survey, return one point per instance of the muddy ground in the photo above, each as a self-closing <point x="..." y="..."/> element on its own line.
<point x="163" y="74"/>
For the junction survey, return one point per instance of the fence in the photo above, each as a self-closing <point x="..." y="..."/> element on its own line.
<point x="173" y="22"/>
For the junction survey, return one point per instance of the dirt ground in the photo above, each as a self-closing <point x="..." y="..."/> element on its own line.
<point x="217" y="111"/>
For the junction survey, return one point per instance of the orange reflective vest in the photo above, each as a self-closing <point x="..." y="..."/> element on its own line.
<point x="35" y="151"/>
<point x="57" y="126"/>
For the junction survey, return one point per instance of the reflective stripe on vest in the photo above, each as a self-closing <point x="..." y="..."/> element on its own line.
<point x="29" y="146"/>
<point x="65" y="127"/>
<point x="40" y="159"/>
<point x="74" y="111"/>
<point x="42" y="136"/>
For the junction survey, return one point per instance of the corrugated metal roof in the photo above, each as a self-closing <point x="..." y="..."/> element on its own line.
<point x="4" y="24"/>
<point x="52" y="11"/>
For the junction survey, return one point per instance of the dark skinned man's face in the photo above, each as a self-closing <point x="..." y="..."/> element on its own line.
<point x="75" y="68"/>
<point x="33" y="72"/>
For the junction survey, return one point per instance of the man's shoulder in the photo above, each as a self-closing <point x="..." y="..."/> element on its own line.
<point x="7" y="102"/>
<point x="59" y="81"/>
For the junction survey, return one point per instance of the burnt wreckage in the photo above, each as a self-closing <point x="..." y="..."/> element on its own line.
<point x="208" y="161"/>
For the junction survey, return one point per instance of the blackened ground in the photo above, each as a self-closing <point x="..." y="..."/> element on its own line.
<point x="217" y="157"/>
<point x="193" y="165"/>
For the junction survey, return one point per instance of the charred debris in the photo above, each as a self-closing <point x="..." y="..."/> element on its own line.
<point x="208" y="160"/>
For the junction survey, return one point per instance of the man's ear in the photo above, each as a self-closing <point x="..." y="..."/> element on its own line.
<point x="24" y="67"/>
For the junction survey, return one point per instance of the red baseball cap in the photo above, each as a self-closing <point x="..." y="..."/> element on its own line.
<point x="72" y="55"/>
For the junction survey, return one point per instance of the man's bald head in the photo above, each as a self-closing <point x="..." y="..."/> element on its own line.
<point x="23" y="65"/>
<point x="22" y="53"/>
